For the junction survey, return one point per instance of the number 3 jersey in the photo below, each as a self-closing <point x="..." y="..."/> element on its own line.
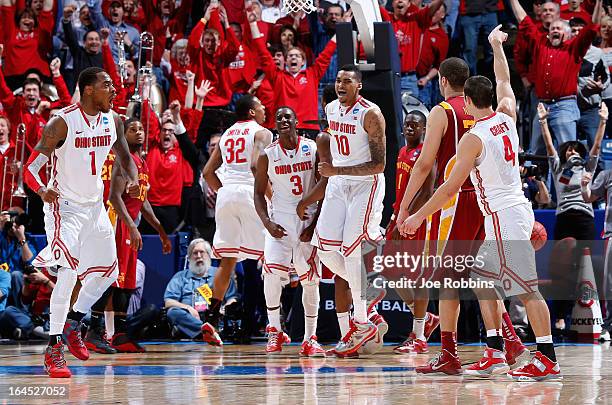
<point x="236" y="145"/>
<point x="77" y="163"/>
<point x="496" y="174"/>
<point x="291" y="173"/>
<point x="349" y="142"/>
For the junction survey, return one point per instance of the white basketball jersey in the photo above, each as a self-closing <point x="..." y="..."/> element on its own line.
<point x="236" y="145"/>
<point x="349" y="140"/>
<point x="77" y="164"/>
<point x="496" y="175"/>
<point x="291" y="173"/>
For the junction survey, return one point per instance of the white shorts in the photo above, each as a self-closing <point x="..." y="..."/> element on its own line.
<point x="351" y="213"/>
<point x="507" y="253"/>
<point x="79" y="237"/>
<point x="239" y="232"/>
<point x="281" y="254"/>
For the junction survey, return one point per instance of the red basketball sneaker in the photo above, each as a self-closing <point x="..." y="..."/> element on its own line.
<point x="412" y="345"/>
<point x="431" y="324"/>
<point x="276" y="339"/>
<point x="493" y="362"/>
<point x="55" y="364"/>
<point x="333" y="353"/>
<point x="312" y="348"/>
<point x="444" y="362"/>
<point x="517" y="355"/>
<point x="540" y="368"/>
<point x="358" y="334"/>
<point x="210" y="335"/>
<point x="123" y="344"/>
<point x="74" y="341"/>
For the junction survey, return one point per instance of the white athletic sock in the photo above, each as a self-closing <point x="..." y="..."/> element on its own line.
<point x="334" y="262"/>
<point x="60" y="300"/>
<point x="272" y="290"/>
<point x="91" y="291"/>
<point x="310" y="300"/>
<point x="343" y="322"/>
<point x="418" y="328"/>
<point x="544" y="339"/>
<point x="109" y="322"/>
<point x="494" y="332"/>
<point x="356" y="280"/>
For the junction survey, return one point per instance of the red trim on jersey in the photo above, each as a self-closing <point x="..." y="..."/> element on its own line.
<point x="277" y="266"/>
<point x="297" y="147"/>
<point x="98" y="269"/>
<point x="502" y="256"/>
<point x="253" y="252"/>
<point x="243" y="121"/>
<point x="349" y="249"/>
<point x="219" y="251"/>
<point x="85" y="117"/>
<point x="313" y="265"/>
<point x="363" y="103"/>
<point x="72" y="262"/>
<point x="485" y="204"/>
<point x="487" y="117"/>
<point x="70" y="108"/>
<point x="351" y="107"/>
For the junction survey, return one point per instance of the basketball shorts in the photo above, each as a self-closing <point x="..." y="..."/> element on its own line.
<point x="351" y="213"/>
<point x="126" y="257"/>
<point x="414" y="245"/>
<point x="239" y="231"/>
<point x="508" y="258"/>
<point x="79" y="237"/>
<point x="281" y="254"/>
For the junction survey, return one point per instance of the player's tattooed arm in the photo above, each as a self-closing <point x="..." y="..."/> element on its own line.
<point x="261" y="207"/>
<point x="117" y="187"/>
<point x="53" y="135"/>
<point x="374" y="124"/>
<point x="122" y="152"/>
<point x="210" y="169"/>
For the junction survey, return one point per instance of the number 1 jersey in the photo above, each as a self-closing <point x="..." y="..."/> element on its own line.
<point x="236" y="146"/>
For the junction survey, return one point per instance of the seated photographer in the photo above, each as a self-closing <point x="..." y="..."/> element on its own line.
<point x="19" y="323"/>
<point x="15" y="250"/>
<point x="188" y="292"/>
<point x="533" y="185"/>
<point x="5" y="287"/>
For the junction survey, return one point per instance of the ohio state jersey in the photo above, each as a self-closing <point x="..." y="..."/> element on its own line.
<point x="236" y="145"/>
<point x="496" y="175"/>
<point x="77" y="163"/>
<point x="291" y="173"/>
<point x="349" y="143"/>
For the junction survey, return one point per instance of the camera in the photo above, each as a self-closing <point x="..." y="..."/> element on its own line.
<point x="29" y="269"/>
<point x="533" y="165"/>
<point x="16" y="218"/>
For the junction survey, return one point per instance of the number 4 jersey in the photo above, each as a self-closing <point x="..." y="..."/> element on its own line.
<point x="291" y="173"/>
<point x="236" y="145"/>
<point x="496" y="174"/>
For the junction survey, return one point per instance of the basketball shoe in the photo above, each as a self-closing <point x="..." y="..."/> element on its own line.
<point x="123" y="344"/>
<point x="358" y="334"/>
<point x="540" y="368"/>
<point x="412" y="345"/>
<point x="96" y="341"/>
<point x="55" y="364"/>
<point x="376" y="344"/>
<point x="517" y="355"/>
<point x="373" y="296"/>
<point x="276" y="340"/>
<point x="312" y="348"/>
<point x="444" y="362"/>
<point x="431" y="324"/>
<point x="74" y="340"/>
<point x="210" y="335"/>
<point x="493" y="362"/>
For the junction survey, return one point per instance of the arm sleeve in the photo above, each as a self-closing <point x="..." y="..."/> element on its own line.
<point x="323" y="60"/>
<point x="173" y="289"/>
<point x="583" y="41"/>
<point x="265" y="60"/>
<point x="95" y="12"/>
<point x="70" y="38"/>
<point x="231" y="48"/>
<point x="8" y="23"/>
<point x="6" y="95"/>
<point x="529" y="31"/>
<point x="190" y="152"/>
<point x="555" y="164"/>
<point x="65" y="98"/>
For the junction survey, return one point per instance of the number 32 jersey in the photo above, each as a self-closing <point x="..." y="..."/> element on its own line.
<point x="291" y="173"/>
<point x="236" y="145"/>
<point x="349" y="143"/>
<point x="496" y="174"/>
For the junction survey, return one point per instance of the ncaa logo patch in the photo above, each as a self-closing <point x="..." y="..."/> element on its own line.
<point x="105" y="120"/>
<point x="305" y="150"/>
<point x="356" y="110"/>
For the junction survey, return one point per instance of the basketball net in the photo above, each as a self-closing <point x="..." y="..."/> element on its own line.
<point x="294" y="6"/>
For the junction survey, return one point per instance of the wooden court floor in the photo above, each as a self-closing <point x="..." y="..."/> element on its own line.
<point x="194" y="373"/>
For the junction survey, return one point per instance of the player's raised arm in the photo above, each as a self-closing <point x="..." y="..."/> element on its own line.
<point x="506" y="102"/>
<point x="374" y="125"/>
<point x="53" y="134"/>
<point x="117" y="187"/>
<point x="259" y="196"/>
<point x="122" y="152"/>
<point x="468" y="150"/>
<point x="436" y="126"/>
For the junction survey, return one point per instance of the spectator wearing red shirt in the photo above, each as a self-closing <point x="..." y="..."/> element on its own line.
<point x="27" y="44"/>
<point x="298" y="21"/>
<point x="242" y="70"/>
<point x="175" y="64"/>
<point x="295" y="87"/>
<point x="164" y="16"/>
<point x="557" y="62"/>
<point x="476" y="16"/>
<point x="134" y="14"/>
<point x="410" y="25"/>
<point x="435" y="48"/>
<point x="575" y="9"/>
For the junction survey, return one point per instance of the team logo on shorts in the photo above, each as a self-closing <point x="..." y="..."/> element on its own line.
<point x="105" y="120"/>
<point x="305" y="150"/>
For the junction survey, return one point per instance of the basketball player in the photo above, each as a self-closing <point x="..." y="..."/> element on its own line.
<point x="79" y="234"/>
<point x="239" y="234"/>
<point x="424" y="323"/>
<point x="289" y="166"/>
<point x="460" y="220"/>
<point x="352" y="208"/>
<point x="487" y="153"/>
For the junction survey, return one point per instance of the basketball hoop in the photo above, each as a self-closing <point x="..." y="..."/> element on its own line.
<point x="294" y="6"/>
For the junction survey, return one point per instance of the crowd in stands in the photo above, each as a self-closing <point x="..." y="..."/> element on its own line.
<point x="205" y="54"/>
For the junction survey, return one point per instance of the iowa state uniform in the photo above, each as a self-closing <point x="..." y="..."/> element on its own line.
<point x="460" y="219"/>
<point x="509" y="258"/>
<point x="292" y="175"/>
<point x="79" y="233"/>
<point x="126" y="256"/>
<point x="352" y="208"/>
